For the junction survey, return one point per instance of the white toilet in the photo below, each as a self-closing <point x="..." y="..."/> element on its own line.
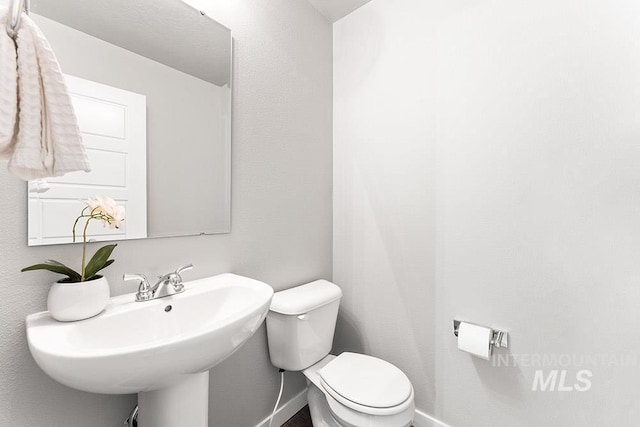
<point x="348" y="390"/>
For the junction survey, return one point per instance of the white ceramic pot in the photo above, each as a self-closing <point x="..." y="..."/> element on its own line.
<point x="68" y="302"/>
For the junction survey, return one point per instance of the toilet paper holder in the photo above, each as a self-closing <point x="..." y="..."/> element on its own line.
<point x="499" y="338"/>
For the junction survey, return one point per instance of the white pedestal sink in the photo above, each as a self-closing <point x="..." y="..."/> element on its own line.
<point x="161" y="349"/>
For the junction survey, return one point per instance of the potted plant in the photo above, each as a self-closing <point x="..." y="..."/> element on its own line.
<point x="83" y="294"/>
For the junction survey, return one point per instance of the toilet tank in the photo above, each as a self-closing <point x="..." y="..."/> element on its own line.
<point x="301" y="323"/>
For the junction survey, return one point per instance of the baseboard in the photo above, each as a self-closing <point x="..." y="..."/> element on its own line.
<point x="422" y="419"/>
<point x="286" y="410"/>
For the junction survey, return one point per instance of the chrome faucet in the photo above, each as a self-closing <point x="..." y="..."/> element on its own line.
<point x="169" y="284"/>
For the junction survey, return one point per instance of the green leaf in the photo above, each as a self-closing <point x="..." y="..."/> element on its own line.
<point x="99" y="261"/>
<point x="95" y="276"/>
<point x="55" y="267"/>
<point x="106" y="264"/>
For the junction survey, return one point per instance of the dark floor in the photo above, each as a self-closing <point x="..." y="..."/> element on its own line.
<point x="301" y="419"/>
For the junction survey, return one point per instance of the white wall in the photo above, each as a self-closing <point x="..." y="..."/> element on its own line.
<point x="486" y="168"/>
<point x="281" y="223"/>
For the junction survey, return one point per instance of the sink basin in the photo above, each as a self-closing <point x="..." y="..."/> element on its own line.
<point x="135" y="347"/>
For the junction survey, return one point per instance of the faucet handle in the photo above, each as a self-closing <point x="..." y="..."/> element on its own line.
<point x="129" y="277"/>
<point x="184" y="268"/>
<point x="144" y="289"/>
<point x="177" y="283"/>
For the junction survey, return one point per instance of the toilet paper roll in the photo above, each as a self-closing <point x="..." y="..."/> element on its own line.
<point x="475" y="339"/>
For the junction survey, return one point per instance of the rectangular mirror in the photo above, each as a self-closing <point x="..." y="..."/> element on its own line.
<point x="151" y="84"/>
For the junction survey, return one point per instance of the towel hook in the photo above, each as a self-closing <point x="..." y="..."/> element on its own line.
<point x="15" y="16"/>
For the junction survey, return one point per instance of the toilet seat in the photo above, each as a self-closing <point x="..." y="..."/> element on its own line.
<point x="367" y="384"/>
<point x="347" y="417"/>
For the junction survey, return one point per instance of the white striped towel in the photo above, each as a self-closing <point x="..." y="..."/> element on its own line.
<point x="46" y="140"/>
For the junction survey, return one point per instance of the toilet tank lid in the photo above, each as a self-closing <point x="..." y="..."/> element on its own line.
<point x="304" y="298"/>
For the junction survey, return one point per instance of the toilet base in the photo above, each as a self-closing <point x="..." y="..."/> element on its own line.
<point x="319" y="408"/>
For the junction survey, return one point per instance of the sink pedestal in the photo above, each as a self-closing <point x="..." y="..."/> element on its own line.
<point x="185" y="404"/>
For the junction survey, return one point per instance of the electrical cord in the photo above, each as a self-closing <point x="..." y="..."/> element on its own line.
<point x="279" y="397"/>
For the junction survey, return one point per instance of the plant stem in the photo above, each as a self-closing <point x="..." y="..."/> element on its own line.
<point x="73" y="230"/>
<point x="92" y="215"/>
<point x="84" y="246"/>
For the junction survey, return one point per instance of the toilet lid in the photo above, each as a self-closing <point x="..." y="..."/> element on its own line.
<point x="366" y="381"/>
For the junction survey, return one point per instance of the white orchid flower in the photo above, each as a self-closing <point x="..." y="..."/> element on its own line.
<point x="107" y="210"/>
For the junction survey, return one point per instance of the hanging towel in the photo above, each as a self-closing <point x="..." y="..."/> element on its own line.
<point x="8" y="91"/>
<point x="46" y="140"/>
